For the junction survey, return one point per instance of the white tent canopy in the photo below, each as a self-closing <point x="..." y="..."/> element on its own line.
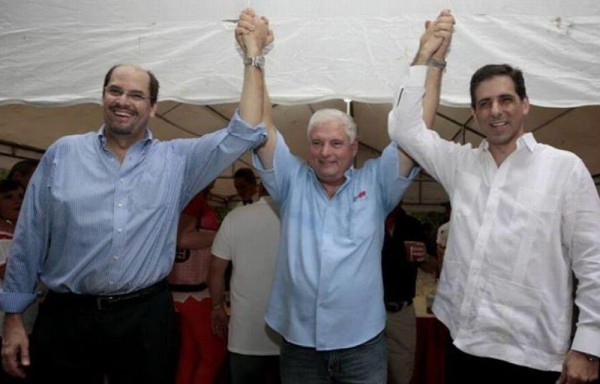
<point x="55" y="54"/>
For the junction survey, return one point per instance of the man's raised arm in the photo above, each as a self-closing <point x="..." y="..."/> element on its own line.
<point x="412" y="110"/>
<point x="433" y="47"/>
<point x="251" y="32"/>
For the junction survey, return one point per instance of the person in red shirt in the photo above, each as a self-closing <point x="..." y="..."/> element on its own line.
<point x="202" y="355"/>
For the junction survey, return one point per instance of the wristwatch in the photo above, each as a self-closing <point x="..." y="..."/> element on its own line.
<point x="441" y="64"/>
<point x="257" y="61"/>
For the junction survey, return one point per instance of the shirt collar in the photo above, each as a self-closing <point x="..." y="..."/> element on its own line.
<point x="525" y="141"/>
<point x="348" y="174"/>
<point x="148" y="136"/>
<point x="528" y="141"/>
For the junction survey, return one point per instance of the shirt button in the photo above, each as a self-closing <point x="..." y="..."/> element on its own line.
<point x="120" y="205"/>
<point x="119" y="230"/>
<point x="116" y="258"/>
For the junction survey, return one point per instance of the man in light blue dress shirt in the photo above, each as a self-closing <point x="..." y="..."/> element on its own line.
<point x="98" y="228"/>
<point x="327" y="294"/>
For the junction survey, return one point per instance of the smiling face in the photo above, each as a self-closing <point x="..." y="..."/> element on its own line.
<point x="126" y="102"/>
<point x="500" y="112"/>
<point x="330" y="152"/>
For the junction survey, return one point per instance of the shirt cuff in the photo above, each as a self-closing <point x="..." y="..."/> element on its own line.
<point x="240" y="128"/>
<point x="417" y="76"/>
<point x="416" y="79"/>
<point x="586" y="340"/>
<point x="13" y="302"/>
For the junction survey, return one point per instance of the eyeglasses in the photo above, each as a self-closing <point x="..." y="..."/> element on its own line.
<point x="117" y="92"/>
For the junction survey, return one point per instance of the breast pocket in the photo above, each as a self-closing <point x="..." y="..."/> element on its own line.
<point x="363" y="219"/>
<point x="538" y="211"/>
<point x="156" y="186"/>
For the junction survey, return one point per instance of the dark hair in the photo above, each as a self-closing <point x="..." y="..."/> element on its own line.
<point x="247" y="174"/>
<point x="23" y="167"/>
<point x="153" y="83"/>
<point x="492" y="70"/>
<point x="8" y="185"/>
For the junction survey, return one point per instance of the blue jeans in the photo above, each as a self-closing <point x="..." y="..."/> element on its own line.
<point x="364" y="364"/>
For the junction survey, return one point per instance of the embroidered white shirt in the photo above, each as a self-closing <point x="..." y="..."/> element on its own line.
<point x="518" y="231"/>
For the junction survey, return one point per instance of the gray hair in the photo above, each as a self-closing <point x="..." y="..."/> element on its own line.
<point x="329" y="114"/>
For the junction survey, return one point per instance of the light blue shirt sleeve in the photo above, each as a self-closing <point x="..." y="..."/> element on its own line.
<point x="92" y="225"/>
<point x="209" y="157"/>
<point x="392" y="183"/>
<point x="33" y="230"/>
<point x="285" y="167"/>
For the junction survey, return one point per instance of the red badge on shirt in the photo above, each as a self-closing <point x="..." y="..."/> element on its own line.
<point x="361" y="195"/>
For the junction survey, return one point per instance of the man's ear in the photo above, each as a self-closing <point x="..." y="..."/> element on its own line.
<point x="153" y="109"/>
<point x="525" y="106"/>
<point x="355" y="147"/>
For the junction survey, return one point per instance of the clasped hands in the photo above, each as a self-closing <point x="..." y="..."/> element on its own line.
<point x="253" y="33"/>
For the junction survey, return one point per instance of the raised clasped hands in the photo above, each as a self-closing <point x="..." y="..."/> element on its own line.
<point x="253" y="33"/>
<point x="436" y="39"/>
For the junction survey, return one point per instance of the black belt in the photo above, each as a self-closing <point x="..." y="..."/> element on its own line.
<point x="188" y="287"/>
<point x="103" y="303"/>
<point x="396" y="306"/>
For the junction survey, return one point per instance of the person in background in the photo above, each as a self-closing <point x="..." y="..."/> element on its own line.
<point x="332" y="227"/>
<point x="98" y="227"/>
<point x="525" y="224"/>
<point x="442" y="239"/>
<point x="403" y="252"/>
<point x="244" y="181"/>
<point x="11" y="198"/>
<point x="22" y="171"/>
<point x="202" y="354"/>
<point x="245" y="184"/>
<point x="247" y="240"/>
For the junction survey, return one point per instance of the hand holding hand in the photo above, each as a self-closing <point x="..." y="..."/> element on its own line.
<point x="436" y="39"/>
<point x="444" y="29"/>
<point x="253" y="33"/>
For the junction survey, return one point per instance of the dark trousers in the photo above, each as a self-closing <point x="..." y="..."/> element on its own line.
<point x="464" y="368"/>
<point x="254" y="369"/>
<point x="134" y="343"/>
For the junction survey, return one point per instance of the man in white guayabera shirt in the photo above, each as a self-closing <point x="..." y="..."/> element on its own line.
<point x="525" y="220"/>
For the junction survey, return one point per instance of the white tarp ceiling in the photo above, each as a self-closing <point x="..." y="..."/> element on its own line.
<point x="56" y="52"/>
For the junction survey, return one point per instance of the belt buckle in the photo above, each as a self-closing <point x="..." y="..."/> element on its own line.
<point x="104" y="302"/>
